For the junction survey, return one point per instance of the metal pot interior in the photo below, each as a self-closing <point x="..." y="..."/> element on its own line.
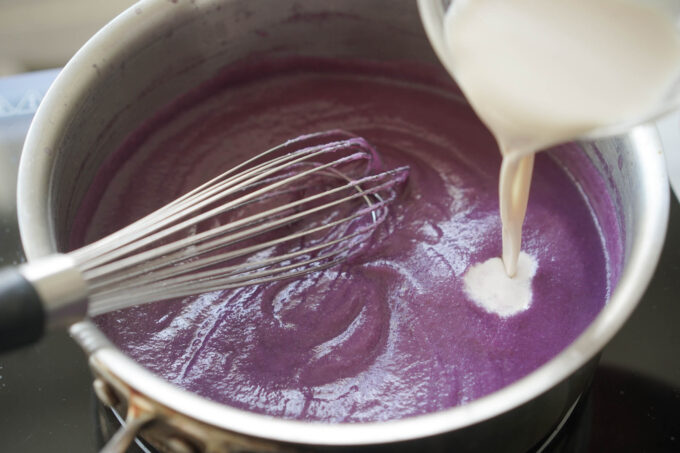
<point x="158" y="49"/>
<point x="166" y="51"/>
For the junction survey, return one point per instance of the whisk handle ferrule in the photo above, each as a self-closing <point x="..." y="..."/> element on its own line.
<point x="61" y="287"/>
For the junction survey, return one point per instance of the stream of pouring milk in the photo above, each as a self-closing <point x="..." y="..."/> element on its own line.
<point x="539" y="73"/>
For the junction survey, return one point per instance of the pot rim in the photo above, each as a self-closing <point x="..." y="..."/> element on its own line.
<point x="35" y="224"/>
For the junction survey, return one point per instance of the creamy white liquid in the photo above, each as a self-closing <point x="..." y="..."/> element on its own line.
<point x="542" y="72"/>
<point x="492" y="289"/>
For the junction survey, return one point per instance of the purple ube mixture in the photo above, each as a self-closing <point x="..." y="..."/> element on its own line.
<point x="390" y="334"/>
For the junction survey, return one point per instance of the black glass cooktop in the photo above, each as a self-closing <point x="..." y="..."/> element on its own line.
<point x="46" y="404"/>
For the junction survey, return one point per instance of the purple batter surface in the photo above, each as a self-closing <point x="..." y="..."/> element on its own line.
<point x="390" y="334"/>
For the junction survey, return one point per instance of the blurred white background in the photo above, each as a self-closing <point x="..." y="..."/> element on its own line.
<point x="35" y="35"/>
<point x="39" y="34"/>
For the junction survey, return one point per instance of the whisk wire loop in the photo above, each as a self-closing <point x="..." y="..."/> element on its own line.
<point x="140" y="233"/>
<point x="216" y="238"/>
<point x="302" y="206"/>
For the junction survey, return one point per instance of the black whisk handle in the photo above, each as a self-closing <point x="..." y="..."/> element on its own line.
<point x="22" y="316"/>
<point x="46" y="293"/>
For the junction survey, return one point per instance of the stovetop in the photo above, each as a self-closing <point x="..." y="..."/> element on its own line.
<point x="633" y="405"/>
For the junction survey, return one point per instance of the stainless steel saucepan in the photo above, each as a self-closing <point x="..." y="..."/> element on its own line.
<point x="160" y="48"/>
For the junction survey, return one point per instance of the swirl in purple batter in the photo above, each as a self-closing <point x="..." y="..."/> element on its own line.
<point x="392" y="333"/>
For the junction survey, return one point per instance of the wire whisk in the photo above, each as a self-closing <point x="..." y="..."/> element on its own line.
<point x="299" y="207"/>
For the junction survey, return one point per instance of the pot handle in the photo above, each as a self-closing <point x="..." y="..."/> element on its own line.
<point x="126" y="434"/>
<point x="22" y="316"/>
